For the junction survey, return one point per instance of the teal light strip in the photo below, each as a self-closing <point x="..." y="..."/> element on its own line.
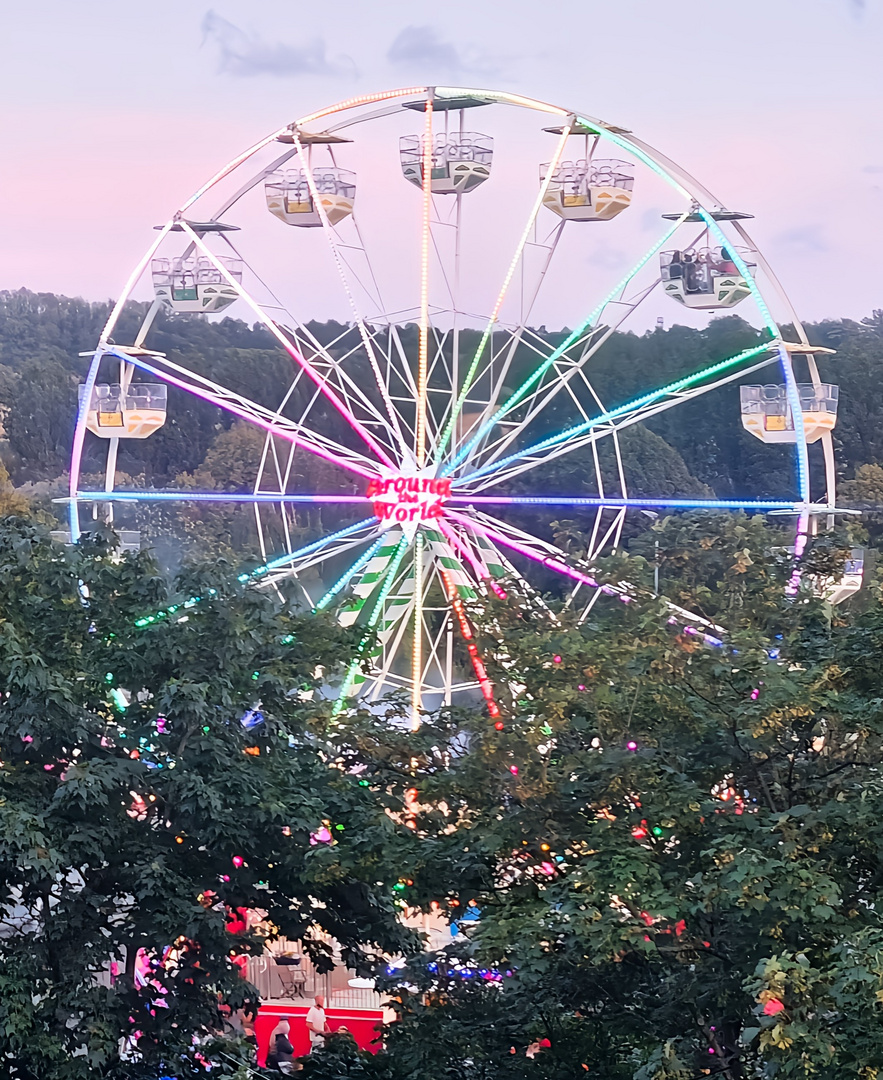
<point x="148" y="620"/>
<point x="541" y="370"/>
<point x="771" y="325"/>
<point x="388" y="580"/>
<point x="613" y="414"/>
<point x="345" y="579"/>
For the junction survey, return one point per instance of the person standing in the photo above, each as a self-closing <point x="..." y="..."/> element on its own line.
<point x="281" y="1051"/>
<point x="317" y="1024"/>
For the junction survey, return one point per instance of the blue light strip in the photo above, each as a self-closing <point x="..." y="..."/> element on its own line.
<point x="541" y="370"/>
<point x="147" y="620"/>
<point x="282" y="560"/>
<point x="612" y="414"/>
<point x="344" y="579"/>
<point x="672" y="504"/>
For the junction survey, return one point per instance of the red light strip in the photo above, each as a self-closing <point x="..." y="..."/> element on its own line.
<point x="485" y="684"/>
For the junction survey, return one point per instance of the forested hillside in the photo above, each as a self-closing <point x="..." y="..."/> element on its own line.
<point x="698" y="448"/>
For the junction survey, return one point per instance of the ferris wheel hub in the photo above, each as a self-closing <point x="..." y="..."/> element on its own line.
<point x="409" y="498"/>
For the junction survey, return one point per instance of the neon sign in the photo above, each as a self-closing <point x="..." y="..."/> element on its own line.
<point x="408" y="500"/>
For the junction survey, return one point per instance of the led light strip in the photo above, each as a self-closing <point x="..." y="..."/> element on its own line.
<point x="495" y="314"/>
<point x="122" y="495"/>
<point x="485" y="684"/>
<point x="368" y="344"/>
<point x="230" y="407"/>
<point x="293" y="352"/>
<point x="388" y="580"/>
<point x="363" y="99"/>
<point x="673" y="504"/>
<point x="417" y="644"/>
<point x="259" y="571"/>
<point x="347" y="577"/>
<point x="426" y="241"/>
<point x="715" y="229"/>
<point x="612" y="414"/>
<point x="554" y="563"/>
<point x="541" y="370"/>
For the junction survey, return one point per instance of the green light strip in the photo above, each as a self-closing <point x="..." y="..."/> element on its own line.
<point x="612" y="414"/>
<point x="540" y="371"/>
<point x="771" y="325"/>
<point x="394" y="565"/>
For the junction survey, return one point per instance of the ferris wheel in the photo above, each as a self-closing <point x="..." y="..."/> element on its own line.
<point x="432" y="408"/>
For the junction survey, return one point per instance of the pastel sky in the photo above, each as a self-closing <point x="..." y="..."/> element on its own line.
<point x="113" y="111"/>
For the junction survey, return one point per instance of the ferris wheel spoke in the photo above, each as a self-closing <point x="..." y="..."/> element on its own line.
<point x="501" y="296"/>
<point x="291" y="349"/>
<point x="295" y="562"/>
<point x="245" y="409"/>
<point x="536" y="376"/>
<point x="366" y="338"/>
<point x="629" y="413"/>
<point x="330" y="367"/>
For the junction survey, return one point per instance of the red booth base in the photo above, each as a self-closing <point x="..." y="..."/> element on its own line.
<point x="363" y="1024"/>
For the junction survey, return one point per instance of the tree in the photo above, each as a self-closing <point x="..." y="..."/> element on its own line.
<point x="675" y="847"/>
<point x="157" y="773"/>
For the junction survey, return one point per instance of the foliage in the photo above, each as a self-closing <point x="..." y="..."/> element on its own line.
<point x="140" y="825"/>
<point x="675" y="848"/>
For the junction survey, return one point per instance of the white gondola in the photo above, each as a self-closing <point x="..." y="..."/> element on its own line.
<point x="584" y="190"/>
<point x="836" y="590"/>
<point x="195" y="284"/>
<point x="703" y="278"/>
<point x="131" y="414"/>
<point x="767" y="414"/>
<point x="461" y="160"/>
<point x="290" y="199"/>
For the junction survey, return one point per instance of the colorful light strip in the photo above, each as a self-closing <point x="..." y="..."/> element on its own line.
<point x="122" y="495"/>
<point x="345" y="578"/>
<point x="388" y="579"/>
<point x="485" y="684"/>
<point x="501" y="296"/>
<point x="541" y="370"/>
<point x="666" y="504"/>
<point x="718" y="233"/>
<point x="331" y="237"/>
<point x="292" y="556"/>
<point x="236" y="411"/>
<point x="417" y="643"/>
<point x="426" y="242"/>
<point x="612" y="414"/>
<point x="259" y="571"/>
<point x="362" y="99"/>
<point x="320" y="382"/>
<point x="554" y="563"/>
<point x="481" y="571"/>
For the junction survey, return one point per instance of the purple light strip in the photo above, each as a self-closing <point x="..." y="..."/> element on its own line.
<point x="265" y="424"/>
<point x="674" y="504"/>
<point x="584" y="579"/>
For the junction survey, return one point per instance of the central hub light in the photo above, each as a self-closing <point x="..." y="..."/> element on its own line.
<point x="408" y="498"/>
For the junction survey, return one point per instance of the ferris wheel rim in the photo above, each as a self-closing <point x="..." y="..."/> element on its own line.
<point x="681" y="181"/>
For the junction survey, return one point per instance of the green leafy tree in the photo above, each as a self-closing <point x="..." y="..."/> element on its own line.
<point x="138" y="807"/>
<point x="674" y="847"/>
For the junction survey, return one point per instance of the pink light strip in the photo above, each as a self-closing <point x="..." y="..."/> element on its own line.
<point x="544" y="560"/>
<point x="477" y="565"/>
<point x="331" y="237"/>
<point x="265" y="424"/>
<point x="292" y="351"/>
